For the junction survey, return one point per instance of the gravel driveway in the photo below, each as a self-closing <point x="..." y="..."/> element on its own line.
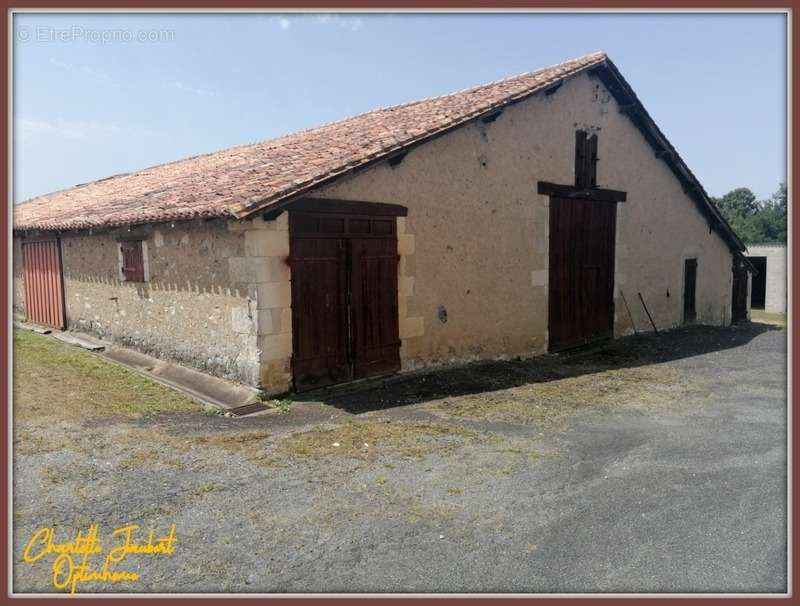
<point x="653" y="463"/>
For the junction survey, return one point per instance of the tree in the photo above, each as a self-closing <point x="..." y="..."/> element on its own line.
<point x="772" y="217"/>
<point x="755" y="221"/>
<point x="740" y="202"/>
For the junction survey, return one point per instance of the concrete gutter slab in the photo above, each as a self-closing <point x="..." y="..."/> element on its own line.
<point x="239" y="399"/>
<point x="33" y="327"/>
<point x="81" y="341"/>
<point x="200" y="386"/>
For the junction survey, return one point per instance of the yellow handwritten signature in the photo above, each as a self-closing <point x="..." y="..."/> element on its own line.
<point x="72" y="562"/>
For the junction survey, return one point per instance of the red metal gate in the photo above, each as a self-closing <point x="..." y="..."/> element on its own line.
<point x="44" y="285"/>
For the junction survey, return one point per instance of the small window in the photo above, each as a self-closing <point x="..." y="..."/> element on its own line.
<point x="585" y="159"/>
<point x="132" y="268"/>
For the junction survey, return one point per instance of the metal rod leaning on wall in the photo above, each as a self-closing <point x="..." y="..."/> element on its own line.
<point x="653" y="324"/>
<point x="630" y="315"/>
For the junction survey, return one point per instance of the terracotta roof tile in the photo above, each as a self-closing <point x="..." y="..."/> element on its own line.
<point x="237" y="181"/>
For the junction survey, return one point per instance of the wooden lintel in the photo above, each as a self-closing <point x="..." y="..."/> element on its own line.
<point x="595" y="194"/>
<point x="351" y="207"/>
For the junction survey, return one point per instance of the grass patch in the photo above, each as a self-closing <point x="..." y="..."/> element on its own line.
<point x="56" y="380"/>
<point x="53" y="474"/>
<point x="204" y="488"/>
<point x="359" y="439"/>
<point x="248" y="445"/>
<point x="28" y="442"/>
<point x="282" y="405"/>
<point x="147" y="459"/>
<point x="768" y="317"/>
<point x="550" y="403"/>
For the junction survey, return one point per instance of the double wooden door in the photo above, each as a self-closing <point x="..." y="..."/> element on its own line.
<point x="581" y="280"/>
<point x="344" y="298"/>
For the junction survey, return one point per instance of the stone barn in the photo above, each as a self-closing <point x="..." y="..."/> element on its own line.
<point x="532" y="214"/>
<point x="768" y="290"/>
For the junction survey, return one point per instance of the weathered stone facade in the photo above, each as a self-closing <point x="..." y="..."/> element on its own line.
<point x="216" y="297"/>
<point x="480" y="229"/>
<point x="473" y="249"/>
<point x="266" y="268"/>
<point x="194" y="309"/>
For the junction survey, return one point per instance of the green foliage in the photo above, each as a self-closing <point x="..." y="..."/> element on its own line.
<point x="282" y="404"/>
<point x="755" y="221"/>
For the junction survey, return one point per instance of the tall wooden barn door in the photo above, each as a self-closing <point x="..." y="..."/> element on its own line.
<point x="44" y="283"/>
<point x="739" y="294"/>
<point x="583" y="223"/>
<point x="689" y="290"/>
<point x="344" y="295"/>
<point x="581" y="283"/>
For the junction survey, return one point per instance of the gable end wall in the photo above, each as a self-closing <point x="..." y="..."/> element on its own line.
<point x="476" y="237"/>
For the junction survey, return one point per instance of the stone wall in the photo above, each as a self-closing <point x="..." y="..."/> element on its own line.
<point x="196" y="308"/>
<point x="217" y="296"/>
<point x="266" y="268"/>
<point x="473" y="271"/>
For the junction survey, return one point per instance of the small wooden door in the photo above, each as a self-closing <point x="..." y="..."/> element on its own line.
<point x="581" y="281"/>
<point x="739" y="295"/>
<point x="44" y="283"/>
<point x="689" y="291"/>
<point x="344" y="297"/>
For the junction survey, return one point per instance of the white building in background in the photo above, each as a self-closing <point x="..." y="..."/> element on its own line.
<point x="769" y="286"/>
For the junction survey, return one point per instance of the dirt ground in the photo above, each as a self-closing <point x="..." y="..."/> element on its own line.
<point x="652" y="463"/>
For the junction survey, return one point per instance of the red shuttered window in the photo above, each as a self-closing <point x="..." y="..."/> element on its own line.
<point x="132" y="261"/>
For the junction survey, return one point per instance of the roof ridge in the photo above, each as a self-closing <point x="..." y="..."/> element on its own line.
<point x="595" y="55"/>
<point x="239" y="178"/>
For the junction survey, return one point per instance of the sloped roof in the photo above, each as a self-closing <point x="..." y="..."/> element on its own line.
<point x="240" y="181"/>
<point x="236" y="181"/>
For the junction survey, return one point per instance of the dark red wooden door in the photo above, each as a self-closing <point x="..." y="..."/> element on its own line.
<point x="739" y="310"/>
<point x="376" y="338"/>
<point x="689" y="290"/>
<point x="581" y="280"/>
<point x="44" y="284"/>
<point x="320" y="322"/>
<point x="344" y="297"/>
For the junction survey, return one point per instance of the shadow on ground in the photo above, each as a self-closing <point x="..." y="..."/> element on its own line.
<point x="481" y="377"/>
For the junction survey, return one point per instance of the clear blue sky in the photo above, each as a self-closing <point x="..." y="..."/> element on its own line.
<point x="85" y="108"/>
